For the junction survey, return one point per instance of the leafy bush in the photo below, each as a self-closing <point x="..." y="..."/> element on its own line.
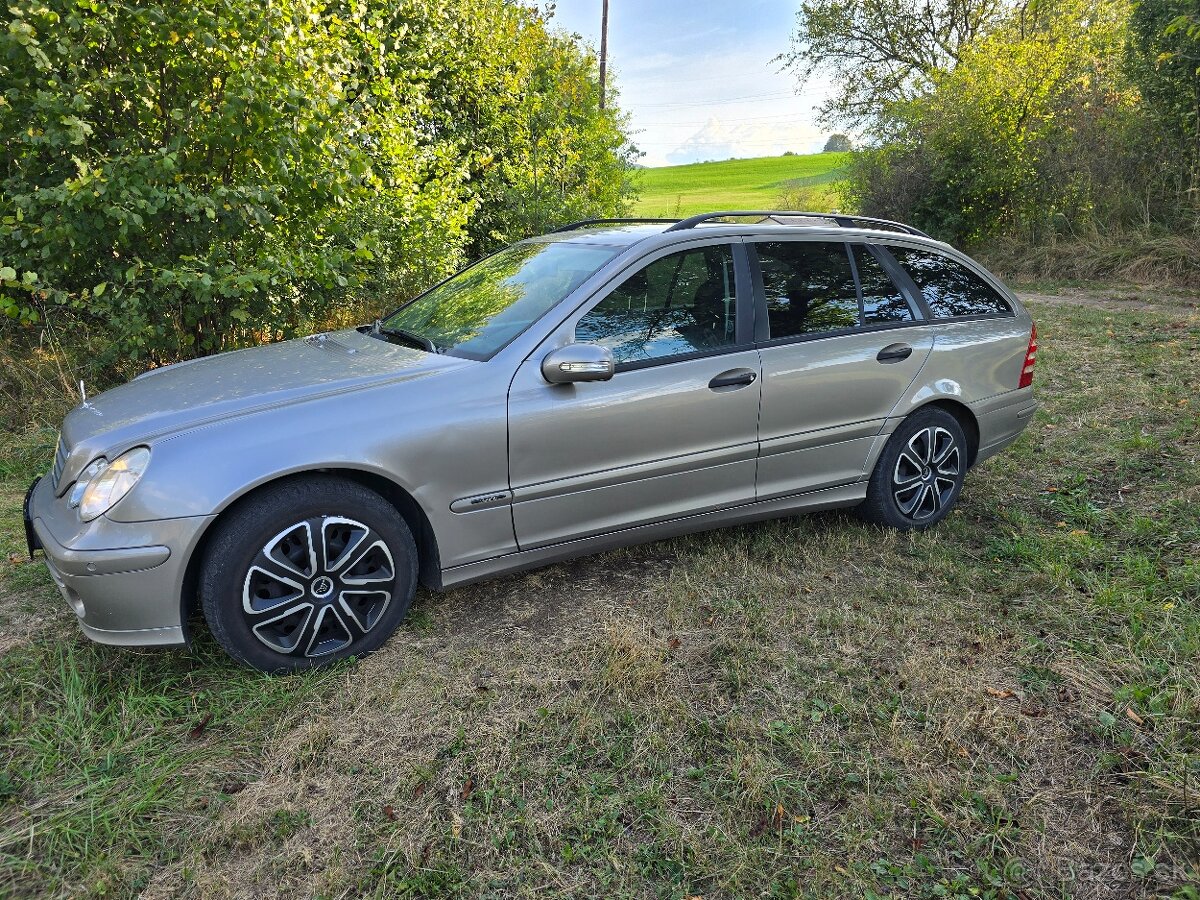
<point x="190" y="177"/>
<point x="1048" y="120"/>
<point x="1006" y="140"/>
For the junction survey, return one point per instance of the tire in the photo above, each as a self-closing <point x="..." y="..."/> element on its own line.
<point x="920" y="473"/>
<point x="307" y="572"/>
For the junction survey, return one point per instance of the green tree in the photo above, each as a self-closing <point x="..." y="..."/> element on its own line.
<point x="1007" y="139"/>
<point x="188" y="177"/>
<point x="838" y="143"/>
<point x="882" y="52"/>
<point x="1164" y="60"/>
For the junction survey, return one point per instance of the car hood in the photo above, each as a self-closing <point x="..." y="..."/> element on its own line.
<point x="179" y="397"/>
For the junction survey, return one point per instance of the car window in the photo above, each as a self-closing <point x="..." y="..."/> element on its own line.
<point x="951" y="290"/>
<point x="809" y="287"/>
<point x="682" y="303"/>
<point x="881" y="300"/>
<point x="482" y="308"/>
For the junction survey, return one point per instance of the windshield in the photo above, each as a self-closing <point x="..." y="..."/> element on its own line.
<point x="482" y="308"/>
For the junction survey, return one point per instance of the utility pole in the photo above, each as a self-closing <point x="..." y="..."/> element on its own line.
<point x="603" y="49"/>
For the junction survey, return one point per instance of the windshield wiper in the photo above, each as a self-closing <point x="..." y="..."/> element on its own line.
<point x="415" y="340"/>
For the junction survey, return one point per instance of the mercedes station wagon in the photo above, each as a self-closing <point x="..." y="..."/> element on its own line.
<point x="614" y="382"/>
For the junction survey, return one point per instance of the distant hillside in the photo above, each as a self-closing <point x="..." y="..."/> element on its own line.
<point x="742" y="183"/>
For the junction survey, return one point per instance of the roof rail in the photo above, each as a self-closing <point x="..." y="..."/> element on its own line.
<point x="584" y="223"/>
<point x="774" y="215"/>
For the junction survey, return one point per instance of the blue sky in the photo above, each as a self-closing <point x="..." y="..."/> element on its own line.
<point x="698" y="79"/>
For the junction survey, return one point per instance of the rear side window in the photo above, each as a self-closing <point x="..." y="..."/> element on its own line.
<point x="809" y="287"/>
<point x="951" y="290"/>
<point x="882" y="300"/>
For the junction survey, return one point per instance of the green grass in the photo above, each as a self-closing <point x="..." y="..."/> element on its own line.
<point x="1005" y="706"/>
<point x="762" y="183"/>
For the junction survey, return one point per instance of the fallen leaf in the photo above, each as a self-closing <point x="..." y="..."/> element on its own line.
<point x="468" y="786"/>
<point x="418" y="791"/>
<point x="1134" y="717"/>
<point x="1051" y="489"/>
<point x="456" y="824"/>
<point x="198" y="730"/>
<point x="999" y="694"/>
<point x="16" y="559"/>
<point x="1078" y="532"/>
<point x="674" y="643"/>
<point x="233" y="787"/>
<point x="389" y="813"/>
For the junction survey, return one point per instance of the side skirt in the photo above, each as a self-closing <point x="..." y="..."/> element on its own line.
<point x="829" y="498"/>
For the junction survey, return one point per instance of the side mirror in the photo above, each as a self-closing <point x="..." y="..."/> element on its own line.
<point x="578" y="362"/>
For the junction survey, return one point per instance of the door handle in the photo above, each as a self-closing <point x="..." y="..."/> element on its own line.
<point x="894" y="353"/>
<point x="733" y="379"/>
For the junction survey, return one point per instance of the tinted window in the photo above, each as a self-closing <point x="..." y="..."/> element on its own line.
<point x="882" y="300"/>
<point x="950" y="289"/>
<point x="682" y="303"/>
<point x="484" y="307"/>
<point x="809" y="287"/>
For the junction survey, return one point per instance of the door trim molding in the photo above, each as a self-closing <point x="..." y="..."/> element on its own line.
<point x="812" y="501"/>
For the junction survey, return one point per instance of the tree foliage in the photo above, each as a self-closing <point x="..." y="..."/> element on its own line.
<point x="838" y="143"/>
<point x="882" y="52"/>
<point x="1003" y="141"/>
<point x="1164" y="60"/>
<point x="1049" y="117"/>
<point x="188" y="177"/>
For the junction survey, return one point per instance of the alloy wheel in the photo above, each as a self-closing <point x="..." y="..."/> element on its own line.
<point x="927" y="471"/>
<point x="318" y="586"/>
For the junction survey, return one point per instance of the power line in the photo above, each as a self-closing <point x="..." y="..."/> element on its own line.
<point x="753" y="98"/>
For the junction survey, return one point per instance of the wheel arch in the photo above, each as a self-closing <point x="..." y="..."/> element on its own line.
<point x="965" y="418"/>
<point x="429" y="570"/>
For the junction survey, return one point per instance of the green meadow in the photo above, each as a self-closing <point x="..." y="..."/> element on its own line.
<point x="763" y="183"/>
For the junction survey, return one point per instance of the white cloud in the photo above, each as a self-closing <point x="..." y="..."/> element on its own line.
<point x="700" y="78"/>
<point x="717" y="140"/>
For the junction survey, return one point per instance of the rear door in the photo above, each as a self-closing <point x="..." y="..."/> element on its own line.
<point x="673" y="433"/>
<point x="840" y="345"/>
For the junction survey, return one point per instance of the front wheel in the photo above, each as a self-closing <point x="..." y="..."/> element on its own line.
<point x="920" y="473"/>
<point x="307" y="572"/>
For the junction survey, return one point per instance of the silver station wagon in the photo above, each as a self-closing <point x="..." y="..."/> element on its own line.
<point x="610" y="383"/>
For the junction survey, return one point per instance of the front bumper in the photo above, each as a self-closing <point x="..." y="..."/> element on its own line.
<point x="124" y="580"/>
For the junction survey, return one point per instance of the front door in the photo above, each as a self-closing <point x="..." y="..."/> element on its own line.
<point x="673" y="433"/>
<point x="840" y="346"/>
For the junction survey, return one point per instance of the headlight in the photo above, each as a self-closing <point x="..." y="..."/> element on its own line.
<point x="113" y="482"/>
<point x="95" y="467"/>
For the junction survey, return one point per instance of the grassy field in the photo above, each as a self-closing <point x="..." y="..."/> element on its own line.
<point x="805" y="182"/>
<point x="1006" y="706"/>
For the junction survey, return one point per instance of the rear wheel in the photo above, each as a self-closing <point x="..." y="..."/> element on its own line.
<point x="307" y="572"/>
<point x="919" y="475"/>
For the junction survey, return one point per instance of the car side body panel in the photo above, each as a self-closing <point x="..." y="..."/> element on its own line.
<point x="824" y="402"/>
<point x="651" y="444"/>
<point x="449" y="443"/>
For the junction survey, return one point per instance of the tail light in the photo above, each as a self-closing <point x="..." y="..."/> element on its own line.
<point x="1030" y="360"/>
